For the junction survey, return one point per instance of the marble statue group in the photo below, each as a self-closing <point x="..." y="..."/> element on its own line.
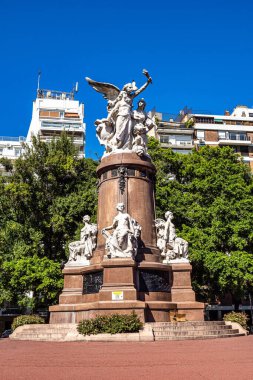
<point x="123" y="128"/>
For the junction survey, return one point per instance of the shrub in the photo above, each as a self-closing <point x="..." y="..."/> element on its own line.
<point x="110" y="324"/>
<point x="240" y="318"/>
<point x="26" y="320"/>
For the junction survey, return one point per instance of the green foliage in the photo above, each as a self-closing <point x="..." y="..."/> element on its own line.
<point x="189" y="123"/>
<point x="7" y="164"/>
<point x="42" y="204"/>
<point x="240" y="318"/>
<point x="110" y="324"/>
<point x="26" y="320"/>
<point x="210" y="192"/>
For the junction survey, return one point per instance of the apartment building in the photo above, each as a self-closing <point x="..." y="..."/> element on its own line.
<point x="11" y="147"/>
<point x="190" y="129"/>
<point x="55" y="112"/>
<point x="174" y="133"/>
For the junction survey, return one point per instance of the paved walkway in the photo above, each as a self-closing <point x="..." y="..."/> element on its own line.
<point x="214" y="359"/>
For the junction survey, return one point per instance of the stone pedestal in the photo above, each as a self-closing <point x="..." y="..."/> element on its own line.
<point x="144" y="285"/>
<point x="182" y="293"/>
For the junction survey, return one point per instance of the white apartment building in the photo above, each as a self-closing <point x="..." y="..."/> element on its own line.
<point x="55" y="112"/>
<point x="11" y="147"/>
<point x="234" y="129"/>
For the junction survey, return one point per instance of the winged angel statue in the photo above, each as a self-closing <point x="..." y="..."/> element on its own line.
<point x="117" y="131"/>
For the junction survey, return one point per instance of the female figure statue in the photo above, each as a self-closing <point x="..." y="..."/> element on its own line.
<point x="81" y="251"/>
<point x="123" y="242"/>
<point x="115" y="131"/>
<point x="172" y="248"/>
<point x="142" y="123"/>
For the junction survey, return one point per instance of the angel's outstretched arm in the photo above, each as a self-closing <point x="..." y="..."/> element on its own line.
<point x="142" y="88"/>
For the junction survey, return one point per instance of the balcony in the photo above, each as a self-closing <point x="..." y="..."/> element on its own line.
<point x="174" y="129"/>
<point x="75" y="140"/>
<point x="51" y="126"/>
<point x="49" y="94"/>
<point x="177" y="144"/>
<point x="12" y="139"/>
<point x="235" y="139"/>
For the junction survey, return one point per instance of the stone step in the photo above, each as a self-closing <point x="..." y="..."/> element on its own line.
<point x="43" y="337"/>
<point x="198" y="337"/>
<point x="196" y="333"/>
<point x="189" y="323"/>
<point x="64" y="326"/>
<point x="34" y="333"/>
<point x="44" y="332"/>
<point x="194" y="328"/>
<point x="49" y="329"/>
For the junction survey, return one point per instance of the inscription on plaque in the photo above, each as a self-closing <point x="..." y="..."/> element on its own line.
<point x="154" y="281"/>
<point x="92" y="282"/>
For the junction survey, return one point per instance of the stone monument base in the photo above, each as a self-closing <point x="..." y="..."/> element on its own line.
<point x="151" y="289"/>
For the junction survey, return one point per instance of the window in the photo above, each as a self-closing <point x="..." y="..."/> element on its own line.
<point x="164" y="139"/>
<point x="222" y="135"/>
<point x="1" y="151"/>
<point x="242" y="149"/>
<point x="17" y="152"/>
<point x="237" y="136"/>
<point x="200" y="135"/>
<point x="207" y="120"/>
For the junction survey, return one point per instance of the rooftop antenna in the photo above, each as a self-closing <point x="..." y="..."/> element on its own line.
<point x="75" y="89"/>
<point x="39" y="75"/>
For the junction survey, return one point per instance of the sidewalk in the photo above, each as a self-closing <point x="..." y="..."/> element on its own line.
<point x="213" y="359"/>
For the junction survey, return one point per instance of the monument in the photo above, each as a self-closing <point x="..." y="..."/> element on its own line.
<point x="129" y="261"/>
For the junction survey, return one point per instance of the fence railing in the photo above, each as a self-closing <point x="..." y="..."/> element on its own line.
<point x="9" y="138"/>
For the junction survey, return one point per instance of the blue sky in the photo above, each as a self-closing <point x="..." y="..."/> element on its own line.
<point x="199" y="54"/>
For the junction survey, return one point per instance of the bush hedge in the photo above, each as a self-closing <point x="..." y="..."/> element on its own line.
<point x="110" y="324"/>
<point x="26" y="320"/>
<point x="240" y="318"/>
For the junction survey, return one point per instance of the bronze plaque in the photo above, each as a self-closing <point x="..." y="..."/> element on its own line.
<point x="154" y="281"/>
<point x="92" y="282"/>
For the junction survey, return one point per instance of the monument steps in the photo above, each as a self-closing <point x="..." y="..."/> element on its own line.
<point x="193" y="330"/>
<point x="56" y="332"/>
<point x="152" y="331"/>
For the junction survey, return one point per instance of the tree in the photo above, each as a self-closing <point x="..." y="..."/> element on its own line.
<point x="210" y="192"/>
<point x="41" y="208"/>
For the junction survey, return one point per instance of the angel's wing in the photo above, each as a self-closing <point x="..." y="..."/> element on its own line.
<point x="109" y="91"/>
